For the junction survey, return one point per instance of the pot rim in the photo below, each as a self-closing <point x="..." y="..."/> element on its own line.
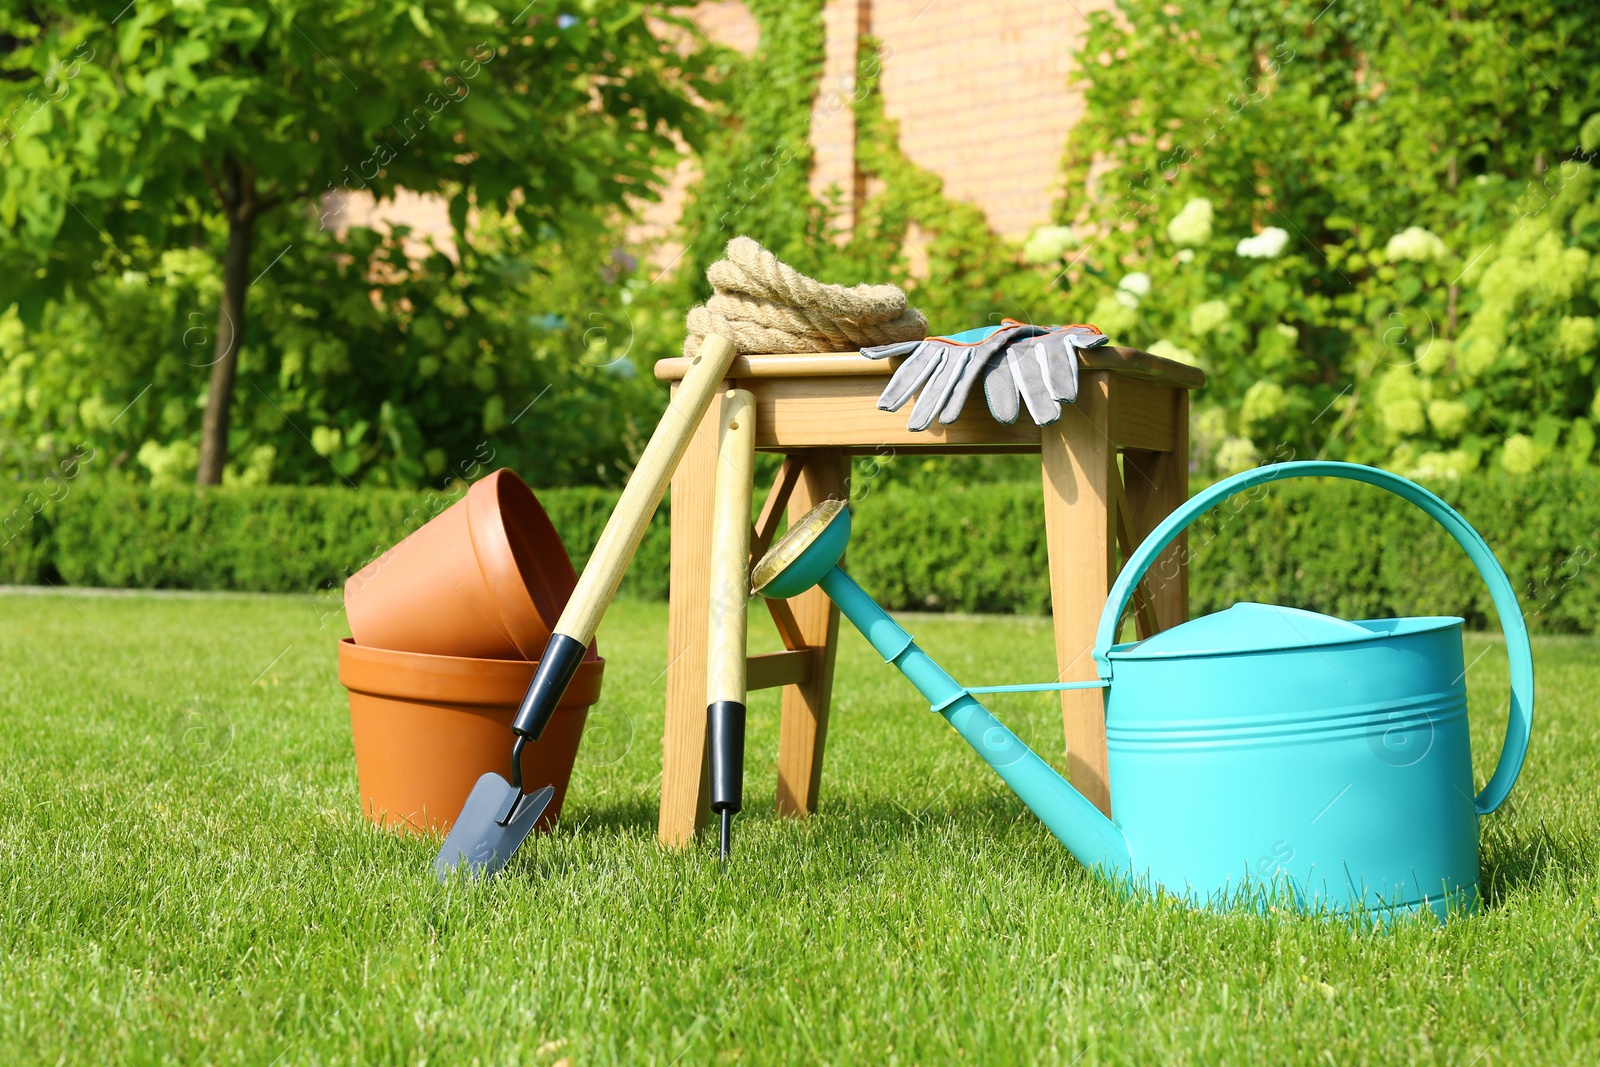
<point x="521" y="556"/>
<point x="426" y="678"/>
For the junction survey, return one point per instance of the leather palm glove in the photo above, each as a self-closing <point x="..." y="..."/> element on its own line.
<point x="944" y="368"/>
<point x="1039" y="370"/>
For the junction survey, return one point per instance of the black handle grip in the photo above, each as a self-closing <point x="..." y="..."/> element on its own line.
<point x="556" y="669"/>
<point x="725" y="735"/>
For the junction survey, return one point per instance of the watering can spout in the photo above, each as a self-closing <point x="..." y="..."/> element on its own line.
<point x="808" y="555"/>
<point x="1092" y="838"/>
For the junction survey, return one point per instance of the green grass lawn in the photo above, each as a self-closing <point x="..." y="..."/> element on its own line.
<point x="185" y="877"/>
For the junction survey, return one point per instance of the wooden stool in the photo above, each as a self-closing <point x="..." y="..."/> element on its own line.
<point x="820" y="409"/>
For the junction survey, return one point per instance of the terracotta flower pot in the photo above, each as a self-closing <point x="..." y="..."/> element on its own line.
<point x="486" y="579"/>
<point x="427" y="727"/>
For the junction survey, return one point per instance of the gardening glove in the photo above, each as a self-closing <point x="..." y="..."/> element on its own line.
<point x="944" y="368"/>
<point x="1040" y="370"/>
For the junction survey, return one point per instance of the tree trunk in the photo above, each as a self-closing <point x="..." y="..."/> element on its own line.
<point x="239" y="201"/>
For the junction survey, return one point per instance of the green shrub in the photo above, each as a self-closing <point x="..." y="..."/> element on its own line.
<point x="1372" y="224"/>
<point x="24" y="534"/>
<point x="1345" y="549"/>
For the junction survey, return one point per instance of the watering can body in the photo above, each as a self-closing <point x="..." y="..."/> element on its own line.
<point x="1276" y="754"/>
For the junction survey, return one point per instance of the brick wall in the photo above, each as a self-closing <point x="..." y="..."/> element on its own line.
<point x="982" y="89"/>
<point x="983" y="92"/>
<point x="984" y="97"/>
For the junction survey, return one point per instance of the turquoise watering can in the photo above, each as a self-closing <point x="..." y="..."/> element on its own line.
<point x="1260" y="754"/>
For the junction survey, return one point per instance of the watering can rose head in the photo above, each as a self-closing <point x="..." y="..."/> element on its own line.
<point x="807" y="551"/>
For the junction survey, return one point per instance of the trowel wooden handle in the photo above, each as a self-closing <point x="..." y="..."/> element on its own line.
<point x="730" y="601"/>
<point x="640" y="497"/>
<point x="619" y="540"/>
<point x="730" y="548"/>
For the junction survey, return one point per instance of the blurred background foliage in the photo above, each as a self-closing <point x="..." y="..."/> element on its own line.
<point x="364" y="367"/>
<point x="1372" y="224"/>
<point x="1375" y="227"/>
<point x="171" y="178"/>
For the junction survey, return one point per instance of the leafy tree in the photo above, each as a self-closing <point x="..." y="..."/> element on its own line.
<point x="132" y="130"/>
<point x="368" y="364"/>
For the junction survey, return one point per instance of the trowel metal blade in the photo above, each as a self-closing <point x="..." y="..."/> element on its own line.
<point x="478" y="839"/>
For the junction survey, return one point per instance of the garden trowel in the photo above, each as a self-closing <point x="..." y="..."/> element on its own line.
<point x="498" y="815"/>
<point x="492" y="825"/>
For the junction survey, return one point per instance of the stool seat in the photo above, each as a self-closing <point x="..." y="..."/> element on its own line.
<point x="819" y="409"/>
<point x="1130" y="362"/>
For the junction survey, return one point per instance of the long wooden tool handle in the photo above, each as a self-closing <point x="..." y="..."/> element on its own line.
<point x="640" y="497"/>
<point x="730" y="601"/>
<point x="730" y="549"/>
<point x="617" y="544"/>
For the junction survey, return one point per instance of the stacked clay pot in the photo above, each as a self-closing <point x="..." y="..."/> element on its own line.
<point x="446" y="626"/>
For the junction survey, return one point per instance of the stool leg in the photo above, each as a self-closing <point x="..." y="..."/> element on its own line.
<point x="1158" y="482"/>
<point x="685" y="788"/>
<point x="803" y="728"/>
<point x="1080" y="518"/>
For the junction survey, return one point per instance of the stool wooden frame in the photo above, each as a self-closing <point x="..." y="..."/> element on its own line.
<point x="820" y="409"/>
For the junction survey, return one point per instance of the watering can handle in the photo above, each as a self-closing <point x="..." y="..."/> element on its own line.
<point x="1505" y="598"/>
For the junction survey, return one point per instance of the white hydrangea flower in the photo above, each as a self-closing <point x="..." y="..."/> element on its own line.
<point x="1449" y="417"/>
<point x="1048" y="244"/>
<point x="1112" y="317"/>
<point x="1416" y="244"/>
<point x="1442" y="466"/>
<point x="1208" y="316"/>
<point x="1475" y="354"/>
<point x="1559" y="270"/>
<point x="1137" y="283"/>
<point x="1522" y="454"/>
<point x="1263" y="402"/>
<point x="1192" y="225"/>
<point x="1400" y="400"/>
<point x="1405" y="418"/>
<point x="1433" y="356"/>
<point x="1168" y="350"/>
<point x="1268" y="244"/>
<point x="1505" y="279"/>
<point x="1186" y="255"/>
<point x="96" y="412"/>
<point x="1577" y="334"/>
<point x="1236" y="454"/>
<point x="1211" y="428"/>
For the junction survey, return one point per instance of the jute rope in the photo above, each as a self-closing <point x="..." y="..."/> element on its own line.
<point x="762" y="304"/>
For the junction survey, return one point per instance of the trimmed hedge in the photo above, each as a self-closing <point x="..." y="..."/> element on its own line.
<point x="270" y="539"/>
<point x="1338" y="547"/>
<point x="1346" y="549"/>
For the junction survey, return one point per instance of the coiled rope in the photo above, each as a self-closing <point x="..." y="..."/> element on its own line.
<point x="762" y="304"/>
